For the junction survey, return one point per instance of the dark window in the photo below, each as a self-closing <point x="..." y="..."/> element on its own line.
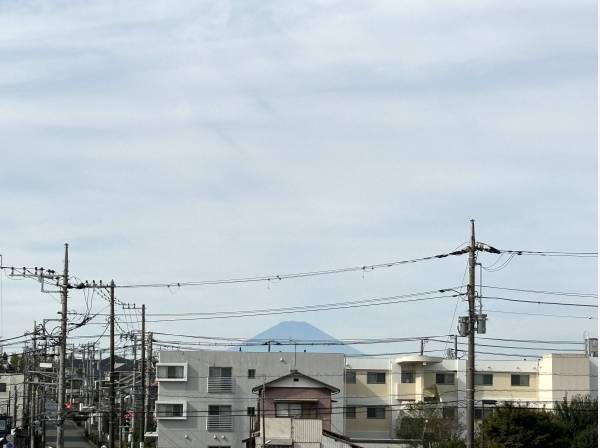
<point x="519" y="380"/>
<point x="251" y="373"/>
<point x="169" y="410"/>
<point x="350" y="377"/>
<point x="219" y="372"/>
<point x="444" y="378"/>
<point x="251" y="410"/>
<point x="407" y="377"/>
<point x="2" y="387"/>
<point x="350" y="411"/>
<point x="171" y="372"/>
<point x="306" y="409"/>
<point x="219" y="410"/>
<point x="375" y="377"/>
<point x="484" y="379"/>
<point x="376" y="412"/>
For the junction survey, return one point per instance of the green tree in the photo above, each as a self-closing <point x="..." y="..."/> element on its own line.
<point x="512" y="426"/>
<point x="16" y="362"/>
<point x="430" y="425"/>
<point x="580" y="416"/>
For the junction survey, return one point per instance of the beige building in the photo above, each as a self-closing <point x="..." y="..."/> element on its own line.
<point x="377" y="390"/>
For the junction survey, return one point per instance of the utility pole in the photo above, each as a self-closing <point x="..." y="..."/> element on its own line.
<point x="72" y="375"/>
<point x="471" y="348"/>
<point x="112" y="410"/>
<point x="60" y="435"/>
<point x="143" y="385"/>
<point x="149" y="369"/>
<point x="134" y="393"/>
<point x="32" y="390"/>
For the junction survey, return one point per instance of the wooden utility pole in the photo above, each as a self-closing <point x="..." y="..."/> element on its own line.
<point x="60" y="435"/>
<point x="112" y="410"/>
<point x="143" y="379"/>
<point x="471" y="349"/>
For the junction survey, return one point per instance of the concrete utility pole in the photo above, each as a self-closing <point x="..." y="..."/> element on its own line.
<point x="143" y="385"/>
<point x="60" y="435"/>
<point x="136" y="413"/>
<point x="149" y="368"/>
<point x="112" y="410"/>
<point x="72" y="376"/>
<point x="471" y="348"/>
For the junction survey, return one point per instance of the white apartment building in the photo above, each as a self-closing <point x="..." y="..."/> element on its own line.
<point x="206" y="398"/>
<point x="11" y="396"/>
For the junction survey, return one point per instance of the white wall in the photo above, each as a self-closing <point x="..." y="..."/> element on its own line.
<point x="325" y="367"/>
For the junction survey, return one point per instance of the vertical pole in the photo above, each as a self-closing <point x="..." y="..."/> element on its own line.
<point x="111" y="378"/>
<point x="471" y="349"/>
<point x="264" y="426"/>
<point x="60" y="436"/>
<point x="135" y="404"/>
<point x="455" y="347"/>
<point x="72" y="373"/>
<point x="15" y="404"/>
<point x="143" y="385"/>
<point x="149" y="367"/>
<point x="422" y="347"/>
<point x="33" y="390"/>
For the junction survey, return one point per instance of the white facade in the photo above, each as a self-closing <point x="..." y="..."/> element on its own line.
<point x="11" y="388"/>
<point x="205" y="397"/>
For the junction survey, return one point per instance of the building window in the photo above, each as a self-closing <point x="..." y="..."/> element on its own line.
<point x="350" y="411"/>
<point x="377" y="412"/>
<point x="2" y="387"/>
<point x="251" y="410"/>
<point x="407" y="377"/>
<point x="171" y="372"/>
<point x="350" y="377"/>
<point x="375" y="377"/>
<point x="519" y="380"/>
<point x="165" y="410"/>
<point x="444" y="378"/>
<point x="219" y="418"/>
<point x="305" y="409"/>
<point x="220" y="380"/>
<point x="484" y="379"/>
<point x="251" y="373"/>
<point x="483" y="411"/>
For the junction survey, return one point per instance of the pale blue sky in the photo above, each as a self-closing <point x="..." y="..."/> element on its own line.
<point x="189" y="140"/>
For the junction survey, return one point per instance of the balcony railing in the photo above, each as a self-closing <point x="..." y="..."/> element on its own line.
<point x="220" y="385"/>
<point x="219" y="423"/>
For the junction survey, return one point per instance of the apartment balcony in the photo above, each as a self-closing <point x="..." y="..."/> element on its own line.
<point x="220" y="385"/>
<point x="406" y="391"/>
<point x="217" y="423"/>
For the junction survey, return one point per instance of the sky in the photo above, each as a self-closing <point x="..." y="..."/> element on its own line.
<point x="194" y="140"/>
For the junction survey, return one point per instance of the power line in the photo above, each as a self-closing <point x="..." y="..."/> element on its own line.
<point x="551" y="253"/>
<point x="539" y="302"/>
<point x="277" y="277"/>
<point x="541" y="291"/>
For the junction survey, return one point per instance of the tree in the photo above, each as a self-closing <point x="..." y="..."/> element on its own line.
<point x="16" y="362"/>
<point x="430" y="425"/>
<point x="580" y="417"/>
<point x="512" y="426"/>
